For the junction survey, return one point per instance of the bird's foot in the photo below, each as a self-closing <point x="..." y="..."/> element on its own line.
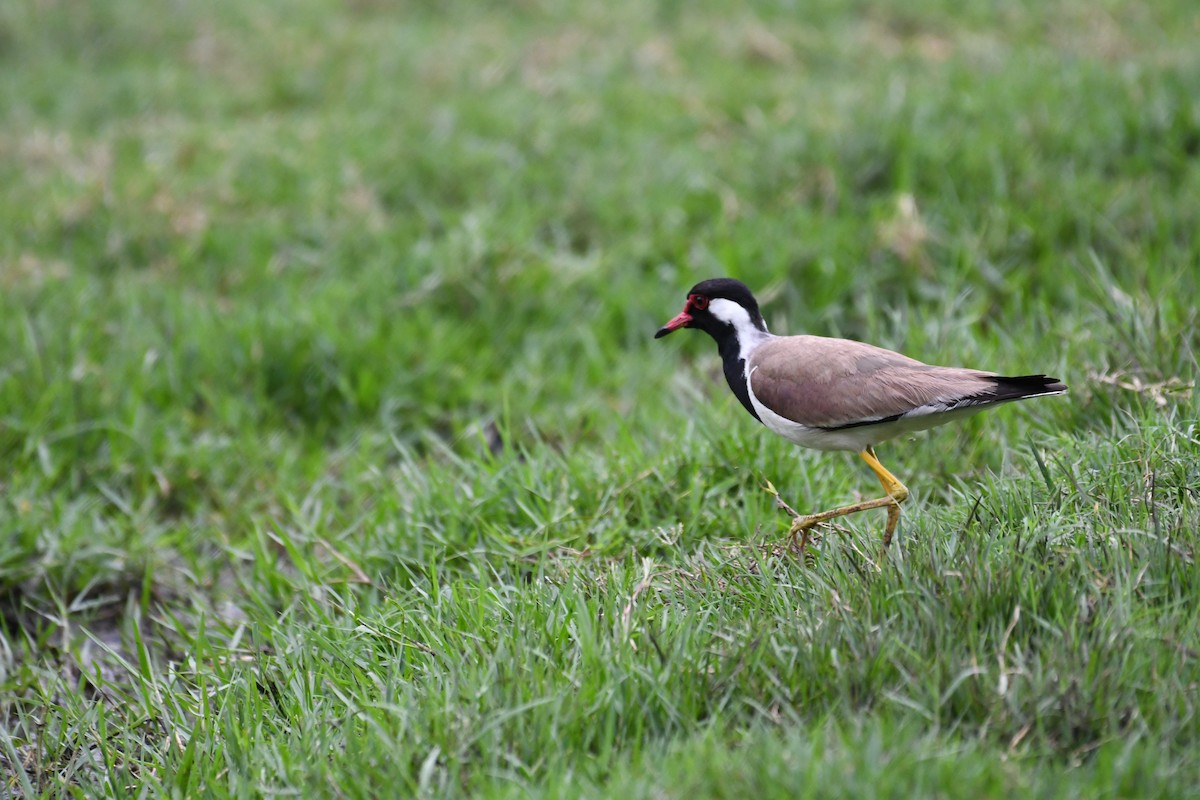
<point x="798" y="534"/>
<point x="801" y="524"/>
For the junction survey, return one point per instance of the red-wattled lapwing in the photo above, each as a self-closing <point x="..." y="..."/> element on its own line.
<point x="837" y="394"/>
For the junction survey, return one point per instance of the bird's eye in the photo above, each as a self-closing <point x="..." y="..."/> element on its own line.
<point x="699" y="302"/>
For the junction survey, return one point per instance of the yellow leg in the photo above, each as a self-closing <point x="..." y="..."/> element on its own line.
<point x="896" y="491"/>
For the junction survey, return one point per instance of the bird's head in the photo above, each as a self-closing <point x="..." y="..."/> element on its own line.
<point x="720" y="307"/>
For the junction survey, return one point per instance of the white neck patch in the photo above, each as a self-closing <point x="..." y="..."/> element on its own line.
<point x="749" y="337"/>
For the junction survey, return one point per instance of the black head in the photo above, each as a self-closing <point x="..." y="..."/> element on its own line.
<point x="722" y="320"/>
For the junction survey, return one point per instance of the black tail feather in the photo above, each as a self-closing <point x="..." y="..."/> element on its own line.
<point x="1019" y="386"/>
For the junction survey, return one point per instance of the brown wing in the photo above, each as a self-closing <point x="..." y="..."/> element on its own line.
<point x="832" y="383"/>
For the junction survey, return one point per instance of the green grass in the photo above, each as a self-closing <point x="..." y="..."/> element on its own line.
<point x="336" y="457"/>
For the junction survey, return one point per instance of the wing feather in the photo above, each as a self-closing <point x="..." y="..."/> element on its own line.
<point x="837" y="383"/>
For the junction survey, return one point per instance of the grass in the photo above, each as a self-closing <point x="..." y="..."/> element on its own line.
<point x="336" y="457"/>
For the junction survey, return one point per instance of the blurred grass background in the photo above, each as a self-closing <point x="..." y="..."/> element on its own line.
<point x="336" y="456"/>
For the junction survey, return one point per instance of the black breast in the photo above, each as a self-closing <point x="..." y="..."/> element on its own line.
<point x="735" y="372"/>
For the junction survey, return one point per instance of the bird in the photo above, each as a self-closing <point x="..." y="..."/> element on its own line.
<point x="838" y="394"/>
